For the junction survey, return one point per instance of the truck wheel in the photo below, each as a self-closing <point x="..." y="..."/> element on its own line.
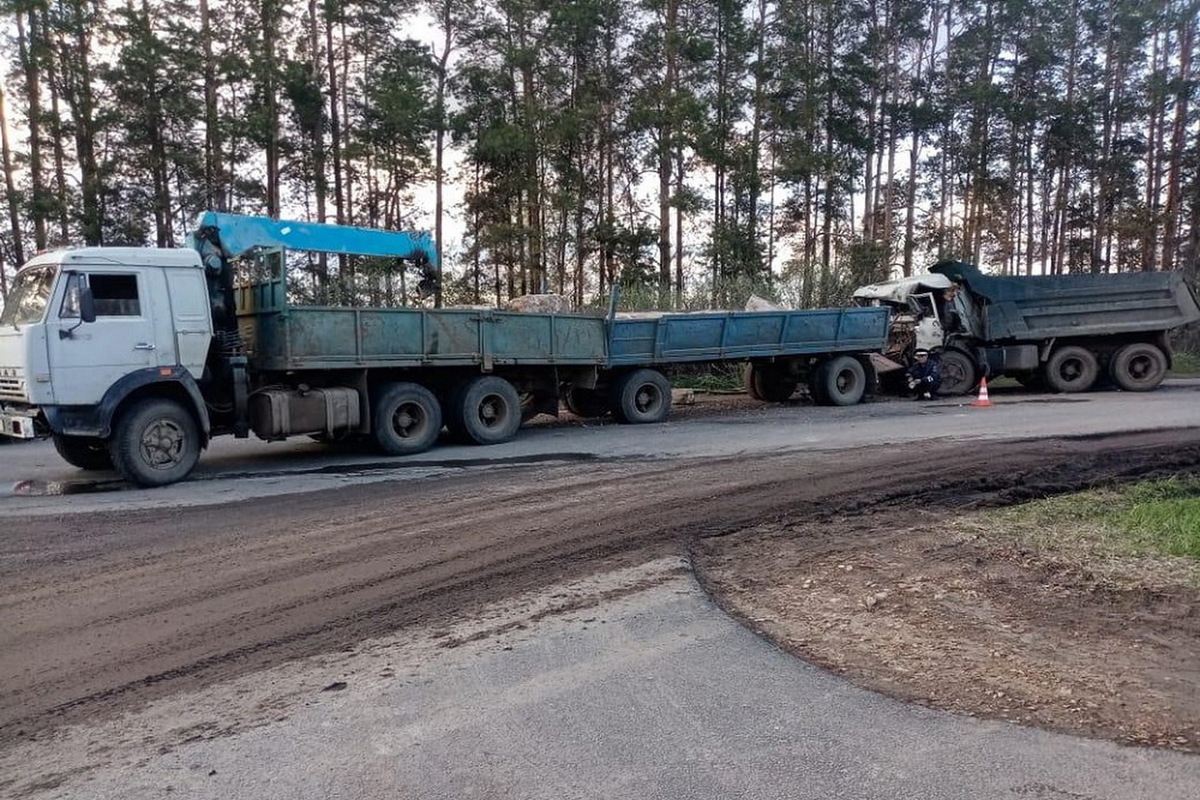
<point x="486" y="410"/>
<point x="642" y="396"/>
<point x="85" y="452"/>
<point x="155" y="442"/>
<point x="1071" y="369"/>
<point x="771" y="383"/>
<point x="959" y="375"/>
<point x="405" y="419"/>
<point x="1138" y="367"/>
<point x="841" y="381"/>
<point x="586" y="402"/>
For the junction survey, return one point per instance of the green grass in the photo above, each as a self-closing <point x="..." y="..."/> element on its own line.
<point x="1151" y="519"/>
<point x="709" y="378"/>
<point x="1165" y="515"/>
<point x="1184" y="363"/>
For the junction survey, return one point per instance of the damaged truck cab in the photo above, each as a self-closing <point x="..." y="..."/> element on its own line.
<point x="1064" y="332"/>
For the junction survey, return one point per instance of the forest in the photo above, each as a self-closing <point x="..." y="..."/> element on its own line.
<point x="686" y="148"/>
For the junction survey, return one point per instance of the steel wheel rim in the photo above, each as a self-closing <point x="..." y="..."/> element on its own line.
<point x="1142" y="366"/>
<point x="493" y="412"/>
<point x="646" y="399"/>
<point x="1071" y="369"/>
<point x="408" y="419"/>
<point x="162" y="444"/>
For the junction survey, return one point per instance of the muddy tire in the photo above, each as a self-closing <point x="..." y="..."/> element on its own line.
<point x="642" y="397"/>
<point x="1071" y="369"/>
<point x="586" y="402"/>
<point x="155" y="442"/>
<point x="485" y="410"/>
<point x="959" y="374"/>
<point x="771" y="383"/>
<point x="1138" y="367"/>
<point x="85" y="452"/>
<point x="840" y="381"/>
<point x="405" y="418"/>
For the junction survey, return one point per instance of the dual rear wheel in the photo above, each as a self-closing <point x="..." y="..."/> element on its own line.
<point x="1134" y="367"/>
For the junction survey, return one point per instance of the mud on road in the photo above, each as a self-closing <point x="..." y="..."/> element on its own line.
<point x="113" y="610"/>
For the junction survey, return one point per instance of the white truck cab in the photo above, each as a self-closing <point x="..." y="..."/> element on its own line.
<point x="80" y="324"/>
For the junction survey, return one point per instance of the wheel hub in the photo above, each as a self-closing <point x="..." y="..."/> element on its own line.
<point x="162" y="444"/>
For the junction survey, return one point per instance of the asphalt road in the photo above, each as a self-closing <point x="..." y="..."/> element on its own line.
<point x="514" y="621"/>
<point x="33" y="480"/>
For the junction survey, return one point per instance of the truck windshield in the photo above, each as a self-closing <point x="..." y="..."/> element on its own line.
<point x="28" y="297"/>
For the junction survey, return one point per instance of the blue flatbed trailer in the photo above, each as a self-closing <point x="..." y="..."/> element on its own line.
<point x="595" y="364"/>
<point x="283" y="337"/>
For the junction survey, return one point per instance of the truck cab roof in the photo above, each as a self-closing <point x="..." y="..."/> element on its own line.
<point x="170" y="258"/>
<point x="898" y="291"/>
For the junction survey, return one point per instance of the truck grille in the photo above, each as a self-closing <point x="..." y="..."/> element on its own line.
<point x="12" y="384"/>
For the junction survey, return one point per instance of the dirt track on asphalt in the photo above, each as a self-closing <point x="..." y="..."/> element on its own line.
<point x="105" y="612"/>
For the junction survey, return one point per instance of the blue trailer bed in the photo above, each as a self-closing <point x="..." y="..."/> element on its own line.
<point x="281" y="337"/>
<point x="744" y="335"/>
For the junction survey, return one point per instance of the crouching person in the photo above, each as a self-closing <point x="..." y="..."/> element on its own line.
<point x="924" y="377"/>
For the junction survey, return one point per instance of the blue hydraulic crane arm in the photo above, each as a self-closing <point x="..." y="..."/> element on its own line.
<point x="237" y="234"/>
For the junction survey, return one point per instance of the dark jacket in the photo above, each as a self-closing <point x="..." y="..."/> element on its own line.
<point x="927" y="376"/>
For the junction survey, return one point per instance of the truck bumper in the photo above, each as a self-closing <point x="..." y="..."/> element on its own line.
<point x="18" y="426"/>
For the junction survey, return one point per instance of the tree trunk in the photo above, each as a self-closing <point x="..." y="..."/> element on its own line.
<point x="213" y="197"/>
<point x="270" y="25"/>
<point x="74" y="53"/>
<point x="10" y="193"/>
<point x="666" y="137"/>
<point x="1058" y="256"/>
<point x="1187" y="45"/>
<point x="1101" y="179"/>
<point x="335" y="123"/>
<point x="29" y="50"/>
<point x="439" y="146"/>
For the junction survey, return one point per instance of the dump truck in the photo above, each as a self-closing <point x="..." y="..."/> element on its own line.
<point x="1066" y="333"/>
<point x="133" y="359"/>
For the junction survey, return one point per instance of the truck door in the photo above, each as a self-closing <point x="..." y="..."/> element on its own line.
<point x="192" y="328"/>
<point x="86" y="359"/>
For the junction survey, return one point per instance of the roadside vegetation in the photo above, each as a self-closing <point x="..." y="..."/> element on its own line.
<point x="1142" y="534"/>
<point x="1185" y="363"/>
<point x="717" y="378"/>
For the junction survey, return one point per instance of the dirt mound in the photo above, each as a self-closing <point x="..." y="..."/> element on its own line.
<point x="888" y="589"/>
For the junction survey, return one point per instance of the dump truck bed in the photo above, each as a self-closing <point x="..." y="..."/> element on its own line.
<point x="1049" y="306"/>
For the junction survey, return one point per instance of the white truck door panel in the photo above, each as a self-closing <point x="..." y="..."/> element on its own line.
<point x="95" y="355"/>
<point x="192" y="332"/>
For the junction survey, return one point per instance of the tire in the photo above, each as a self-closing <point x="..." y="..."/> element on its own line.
<point x="840" y="381"/>
<point x="959" y="375"/>
<point x="405" y="418"/>
<point x="85" y="452"/>
<point x="771" y="383"/>
<point x="586" y="402"/>
<point x="485" y="410"/>
<point x="155" y="442"/>
<point x="1138" y="367"/>
<point x="1071" y="369"/>
<point x="642" y="397"/>
<point x="748" y="382"/>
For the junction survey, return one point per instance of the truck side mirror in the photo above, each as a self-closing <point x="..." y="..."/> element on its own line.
<point x="87" y="304"/>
